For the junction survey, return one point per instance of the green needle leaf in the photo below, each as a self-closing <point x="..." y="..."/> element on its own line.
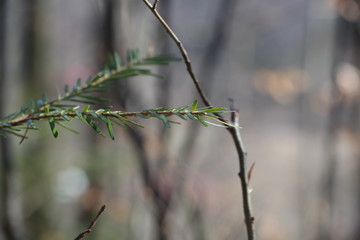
<point x="68" y="128"/>
<point x="93" y="115"/>
<point x="110" y="128"/>
<point x="142" y="116"/>
<point x="124" y="120"/>
<point x="81" y="101"/>
<point x="182" y="108"/>
<point x="194" y="105"/>
<point x="86" y="108"/>
<point x="53" y="127"/>
<point x="180" y="116"/>
<point x="79" y="115"/>
<point x="121" y="124"/>
<point x="10" y="117"/>
<point x="14" y="133"/>
<point x="88" y="80"/>
<point x="217" y="110"/>
<point x="202" y="121"/>
<point x="92" y="125"/>
<point x="102" y="117"/>
<point x="117" y="60"/>
<point x="65" y="117"/>
<point x="78" y="83"/>
<point x="162" y="118"/>
<point x="190" y="116"/>
<point x="47" y="110"/>
<point x="98" y="99"/>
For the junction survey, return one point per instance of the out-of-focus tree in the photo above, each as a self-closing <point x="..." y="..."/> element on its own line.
<point x="343" y="120"/>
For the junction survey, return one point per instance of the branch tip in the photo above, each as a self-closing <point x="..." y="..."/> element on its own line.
<point x="92" y="224"/>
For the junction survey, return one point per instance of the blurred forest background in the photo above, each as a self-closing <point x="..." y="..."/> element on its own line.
<point x="292" y="68"/>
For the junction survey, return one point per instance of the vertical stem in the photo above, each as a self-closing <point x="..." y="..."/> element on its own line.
<point x="183" y="52"/>
<point x="345" y="50"/>
<point x="235" y="133"/>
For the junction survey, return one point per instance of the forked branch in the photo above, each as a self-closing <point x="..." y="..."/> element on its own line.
<point x="155" y="4"/>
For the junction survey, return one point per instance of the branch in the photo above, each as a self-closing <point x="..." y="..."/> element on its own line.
<point x="155" y="4"/>
<point x="92" y="224"/>
<point x="233" y="130"/>
<point x="80" y="92"/>
<point x="110" y="114"/>
<point x="235" y="133"/>
<point x="182" y="51"/>
<point x="56" y="111"/>
<point x="206" y="116"/>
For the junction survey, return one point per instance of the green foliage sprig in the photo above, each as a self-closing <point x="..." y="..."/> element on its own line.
<point x="111" y="117"/>
<point x="65" y="107"/>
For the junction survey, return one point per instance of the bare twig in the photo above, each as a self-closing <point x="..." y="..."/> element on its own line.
<point x="234" y="131"/>
<point x="155" y="4"/>
<point x="182" y="50"/>
<point x="92" y="224"/>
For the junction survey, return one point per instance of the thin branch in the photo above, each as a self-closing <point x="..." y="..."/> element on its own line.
<point x="110" y="114"/>
<point x="233" y="130"/>
<point x="182" y="51"/>
<point x="155" y="4"/>
<point x="92" y="224"/>
<point x="235" y="133"/>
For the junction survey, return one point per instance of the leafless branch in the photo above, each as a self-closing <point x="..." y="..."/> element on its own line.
<point x="92" y="224"/>
<point x="234" y="131"/>
<point x="155" y="4"/>
<point x="182" y="51"/>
